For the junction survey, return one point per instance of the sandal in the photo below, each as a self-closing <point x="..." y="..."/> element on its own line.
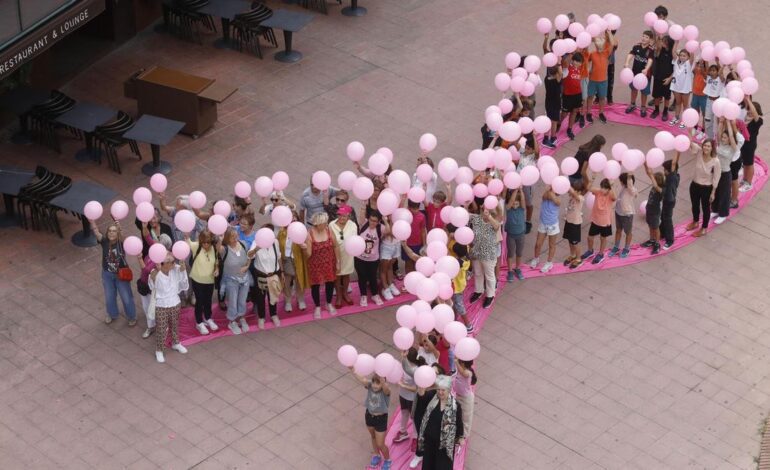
<point x="699" y="233"/>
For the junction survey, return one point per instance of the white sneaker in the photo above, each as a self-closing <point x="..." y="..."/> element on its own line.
<point x="234" y="328"/>
<point x="415" y="461"/>
<point x="387" y="293"/>
<point x="377" y="299"/>
<point x="350" y="289"/>
<point x="287" y="306"/>
<point x="148" y="332"/>
<point x="331" y="309"/>
<point x="317" y="313"/>
<point x="261" y="323"/>
<point x="745" y="187"/>
<point x="201" y="327"/>
<point x="244" y="325"/>
<point x="178" y="347"/>
<point x="301" y="303"/>
<point x="534" y="262"/>
<point x="276" y="321"/>
<point x="363" y="302"/>
<point x="394" y="290"/>
<point x="713" y="214"/>
<point x="720" y="220"/>
<point x="212" y="326"/>
<point x="546" y="267"/>
<point x="159" y="357"/>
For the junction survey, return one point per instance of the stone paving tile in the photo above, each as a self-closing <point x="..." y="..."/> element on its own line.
<point x="657" y="365"/>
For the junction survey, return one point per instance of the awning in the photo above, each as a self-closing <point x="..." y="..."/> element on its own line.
<point x="48" y="34"/>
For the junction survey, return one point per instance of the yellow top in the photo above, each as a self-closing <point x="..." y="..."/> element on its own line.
<point x="461" y="280"/>
<point x="202" y="270"/>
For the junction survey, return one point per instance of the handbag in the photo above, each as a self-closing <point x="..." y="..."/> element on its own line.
<point x="125" y="274"/>
<point x="142" y="287"/>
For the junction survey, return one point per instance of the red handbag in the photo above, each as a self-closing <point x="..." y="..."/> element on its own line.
<point x="125" y="274"/>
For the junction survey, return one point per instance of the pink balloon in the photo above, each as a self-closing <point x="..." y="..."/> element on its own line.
<point x="542" y="124"/>
<point x="403" y="338"/>
<point x="643" y="207"/>
<point x="459" y="217"/>
<point x="502" y="81"/>
<point x="447" y="169"/>
<point x="437" y="234"/>
<point x="145" y="211"/>
<point x="691" y="46"/>
<point x="681" y="143"/>
<point x="464" y="175"/>
<point x="346" y="179"/>
<point x="502" y="158"/>
<point x="750" y="85"/>
<point x="401" y="230"/>
<point x="632" y="159"/>
<point x="527" y="89"/>
<point x="618" y="150"/>
<point x="732" y="111"/>
<point x="421" y="305"/>
<point x="597" y="161"/>
<point x="416" y="194"/>
<point x="505" y="105"/>
<point x="575" y="28"/>
<point x="664" y="141"/>
<point x="387" y="201"/>
<point x="561" y="22"/>
<point x="640" y="81"/>
<point x="297" y="232"/>
<point x="720" y="46"/>
<point x="529" y="175"/>
<point x="281" y="216"/>
<point x="690" y="117"/>
<point x="436" y="249"/>
<point x="569" y="166"/>
<point x="477" y="160"/>
<point x="425" y="320"/>
<point x="445" y="291"/>
<point x="223" y="208"/>
<point x="495" y="186"/>
<point x="494" y="121"/>
<point x="526" y="125"/>
<point x="403" y="213"/>
<point x="735" y="94"/>
<point x="406" y="316"/>
<point x="467" y="349"/>
<point x="184" y="221"/>
<point x="583" y="39"/>
<point x="387" y="152"/>
<point x="543" y="25"/>
<point x="558" y="47"/>
<point x="512" y="60"/>
<point x="119" y="210"/>
<point x="569" y="46"/>
<point x="626" y="76"/>
<point x="510" y="131"/>
<point x="691" y="32"/>
<point x="548" y="172"/>
<point x="490" y="203"/>
<point x="531" y="63"/>
<point x="650" y="18"/>
<point x="264" y="237"/>
<point x="93" y="210"/>
<point x="594" y="29"/>
<point x="263" y="186"/>
<point x="443" y="315"/>
<point x="612" y="170"/>
<point x="132" y="245"/>
<point x="719" y="106"/>
<point x="396" y="373"/>
<point x="655" y="157"/>
<point x="464" y="235"/>
<point x="412" y="282"/>
<point x="242" y="189"/>
<point x="280" y="180"/>
<point x="197" y="199"/>
<point x="454" y="331"/>
<point x="355" y="151"/>
<point x="157" y="253"/>
<point x="445" y="213"/>
<point x="424" y="173"/>
<point x="480" y="190"/>
<point x="425" y="266"/>
<point x="181" y="250"/>
<point x="742" y="65"/>
<point x="424" y="376"/>
<point x="428" y="141"/>
<point x="707" y="53"/>
<point x="347" y="355"/>
<point x="218" y="224"/>
<point x="364" y="365"/>
<point x="321" y="180"/>
<point x="726" y="56"/>
<point x="560" y="185"/>
<point x="142" y="194"/>
<point x="512" y="180"/>
<point x="545" y="160"/>
<point x="613" y="22"/>
<point x="550" y="59"/>
<point x="363" y="188"/>
<point x="448" y="265"/>
<point x="158" y="182"/>
<point x="354" y="245"/>
<point x="590" y="200"/>
<point x="676" y="32"/>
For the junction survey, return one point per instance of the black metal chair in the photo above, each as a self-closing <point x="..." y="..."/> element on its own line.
<point x="248" y="28"/>
<point x="110" y="137"/>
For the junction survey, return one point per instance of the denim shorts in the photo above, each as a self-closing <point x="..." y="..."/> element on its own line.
<point x="584" y="88"/>
<point x="458" y="304"/>
<point x="645" y="91"/>
<point x="597" y="89"/>
<point x="699" y="103"/>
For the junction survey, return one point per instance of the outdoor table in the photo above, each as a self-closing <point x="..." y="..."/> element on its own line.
<point x="226" y="11"/>
<point x="11" y="181"/>
<point x="75" y="199"/>
<point x="354" y="9"/>
<point x="290" y="22"/>
<point x="85" y="117"/>
<point x="20" y="101"/>
<point x="155" y="131"/>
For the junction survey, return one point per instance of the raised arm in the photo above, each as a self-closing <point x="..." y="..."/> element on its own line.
<point x="97" y="233"/>
<point x="546" y="46"/>
<point x="675" y="163"/>
<point x="362" y="380"/>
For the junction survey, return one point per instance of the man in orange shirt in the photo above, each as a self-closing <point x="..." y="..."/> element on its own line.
<point x="597" y="79"/>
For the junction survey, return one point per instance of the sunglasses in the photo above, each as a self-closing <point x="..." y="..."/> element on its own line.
<point x="275" y="200"/>
<point x="341" y="199"/>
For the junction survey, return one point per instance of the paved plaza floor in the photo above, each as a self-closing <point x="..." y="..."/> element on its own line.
<point x="660" y="365"/>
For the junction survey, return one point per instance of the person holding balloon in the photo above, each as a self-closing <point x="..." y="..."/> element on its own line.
<point x="753" y="122"/>
<point x="553" y="83"/>
<point x="343" y="228"/>
<point x="640" y="60"/>
<point x="573" y="221"/>
<point x="597" y="84"/>
<point x="407" y="390"/>
<point x="681" y="84"/>
<point x="515" y="232"/>
<point x="390" y="252"/>
<point x="293" y="264"/>
<point x="528" y="158"/>
<point x="464" y="380"/>
<point x="625" y="208"/>
<point x="441" y="428"/>
<point x="549" y="227"/>
<point x="236" y="280"/>
<point x="266" y="273"/>
<point x="116" y="275"/>
<point x="703" y="185"/>
<point x="313" y="201"/>
<point x="321" y="254"/>
<point x="152" y="230"/>
<point x="166" y="282"/>
<point x="204" y="268"/>
<point x="729" y="144"/>
<point x="376" y="417"/>
<point x="143" y="284"/>
<point x="182" y="202"/>
<point x="601" y="221"/>
<point x="367" y="263"/>
<point x="485" y="225"/>
<point x="671" y="176"/>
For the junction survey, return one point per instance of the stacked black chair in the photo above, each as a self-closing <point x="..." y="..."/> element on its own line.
<point x="42" y="120"/>
<point x="248" y="29"/>
<point x="184" y="19"/>
<point x="110" y="137"/>
<point x="34" y="201"/>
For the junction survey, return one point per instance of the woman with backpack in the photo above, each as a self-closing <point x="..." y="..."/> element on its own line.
<point x="236" y="279"/>
<point x="203" y="269"/>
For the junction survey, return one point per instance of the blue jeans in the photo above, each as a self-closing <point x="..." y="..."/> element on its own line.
<point x="236" y="292"/>
<point x="114" y="287"/>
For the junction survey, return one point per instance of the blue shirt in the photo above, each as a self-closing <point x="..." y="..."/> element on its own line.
<point x="549" y="213"/>
<point x="246" y="239"/>
<point x="514" y="221"/>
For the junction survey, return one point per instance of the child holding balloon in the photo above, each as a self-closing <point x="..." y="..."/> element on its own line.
<point x="573" y="222"/>
<point x="681" y="84"/>
<point x="552" y="82"/>
<point x="528" y="158"/>
<point x="699" y="98"/>
<point x="601" y="222"/>
<point x="376" y="417"/>
<point x="407" y="390"/>
<point x="639" y="60"/>
<point x="549" y="226"/>
<point x="624" y="214"/>
<point x="460" y="281"/>
<point x="464" y="380"/>
<point x="653" y="209"/>
<point x="515" y="231"/>
<point x="572" y="94"/>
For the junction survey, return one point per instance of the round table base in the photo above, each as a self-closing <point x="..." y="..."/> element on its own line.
<point x="149" y="169"/>
<point x="288" y="57"/>
<point x="84" y="241"/>
<point x="85" y="155"/>
<point x="358" y="11"/>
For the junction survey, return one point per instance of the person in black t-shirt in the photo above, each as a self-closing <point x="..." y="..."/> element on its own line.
<point x="662" y="71"/>
<point x="639" y="59"/>
<point x="552" y="103"/>
<point x="753" y="123"/>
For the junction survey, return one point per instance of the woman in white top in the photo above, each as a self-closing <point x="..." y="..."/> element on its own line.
<point x="267" y="274"/>
<point x="681" y="84"/>
<point x="343" y="228"/>
<point x="167" y="282"/>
